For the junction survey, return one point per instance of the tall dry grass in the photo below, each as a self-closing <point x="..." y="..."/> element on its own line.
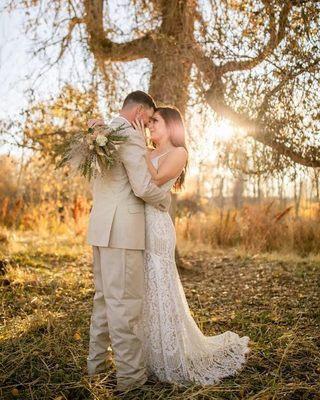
<point x="47" y="217"/>
<point x="35" y="197"/>
<point x="46" y="201"/>
<point x="41" y="198"/>
<point x="255" y="228"/>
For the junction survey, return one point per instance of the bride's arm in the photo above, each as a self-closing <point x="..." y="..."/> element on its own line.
<point x="171" y="166"/>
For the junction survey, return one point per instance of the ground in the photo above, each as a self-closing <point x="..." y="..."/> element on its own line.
<point x="46" y="300"/>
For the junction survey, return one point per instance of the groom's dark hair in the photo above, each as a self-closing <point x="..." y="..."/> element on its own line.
<point x="139" y="97"/>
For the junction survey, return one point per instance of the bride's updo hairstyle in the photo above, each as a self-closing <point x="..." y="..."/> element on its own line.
<point x="174" y="124"/>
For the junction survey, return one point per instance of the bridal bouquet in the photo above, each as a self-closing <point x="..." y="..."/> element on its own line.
<point x="91" y="152"/>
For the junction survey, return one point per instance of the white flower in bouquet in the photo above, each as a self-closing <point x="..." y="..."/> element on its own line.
<point x="101" y="140"/>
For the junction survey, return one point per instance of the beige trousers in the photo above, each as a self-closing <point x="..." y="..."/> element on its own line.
<point x="117" y="307"/>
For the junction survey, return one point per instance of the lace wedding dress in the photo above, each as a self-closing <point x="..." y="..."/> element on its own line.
<point x="176" y="351"/>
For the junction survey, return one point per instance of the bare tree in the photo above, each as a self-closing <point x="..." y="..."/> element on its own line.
<point x="255" y="62"/>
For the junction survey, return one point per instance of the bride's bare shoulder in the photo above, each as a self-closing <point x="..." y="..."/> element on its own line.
<point x="176" y="158"/>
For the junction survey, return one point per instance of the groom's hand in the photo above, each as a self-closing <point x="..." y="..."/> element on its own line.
<point x="139" y="126"/>
<point x="95" y="122"/>
<point x="166" y="206"/>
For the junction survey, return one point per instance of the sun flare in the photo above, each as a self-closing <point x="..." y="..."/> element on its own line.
<point x="223" y="130"/>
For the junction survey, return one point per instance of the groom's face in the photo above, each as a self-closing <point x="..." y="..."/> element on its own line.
<point x="145" y="114"/>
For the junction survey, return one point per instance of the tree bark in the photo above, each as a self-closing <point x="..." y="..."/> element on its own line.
<point x="171" y="70"/>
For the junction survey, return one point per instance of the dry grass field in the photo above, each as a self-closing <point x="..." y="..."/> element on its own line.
<point x="46" y="299"/>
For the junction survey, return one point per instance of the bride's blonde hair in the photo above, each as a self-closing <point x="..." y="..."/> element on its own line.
<point x="174" y="123"/>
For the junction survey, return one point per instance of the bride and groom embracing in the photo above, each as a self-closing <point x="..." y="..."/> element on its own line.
<point x="139" y="306"/>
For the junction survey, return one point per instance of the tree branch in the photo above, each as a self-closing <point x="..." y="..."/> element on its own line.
<point x="289" y="76"/>
<point x="104" y="48"/>
<point x="213" y="72"/>
<point x="255" y="128"/>
<point x="309" y="156"/>
<point x="276" y="36"/>
<point x="204" y="64"/>
<point x="73" y="22"/>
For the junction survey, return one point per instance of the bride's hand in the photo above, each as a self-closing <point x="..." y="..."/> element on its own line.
<point x="139" y="126"/>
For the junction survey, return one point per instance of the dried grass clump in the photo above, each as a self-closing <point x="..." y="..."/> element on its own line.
<point x="47" y="216"/>
<point x="255" y="228"/>
<point x="4" y="237"/>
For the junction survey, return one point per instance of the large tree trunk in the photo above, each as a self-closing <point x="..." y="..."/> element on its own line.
<point x="168" y="85"/>
<point x="168" y="82"/>
<point x="170" y="77"/>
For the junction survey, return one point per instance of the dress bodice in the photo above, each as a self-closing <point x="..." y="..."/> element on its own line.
<point x="155" y="162"/>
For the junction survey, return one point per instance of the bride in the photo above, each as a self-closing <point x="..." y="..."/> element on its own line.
<point x="176" y="350"/>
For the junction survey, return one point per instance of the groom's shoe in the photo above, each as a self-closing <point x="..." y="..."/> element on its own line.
<point x="151" y="381"/>
<point x="96" y="368"/>
<point x="136" y="386"/>
<point x="100" y="365"/>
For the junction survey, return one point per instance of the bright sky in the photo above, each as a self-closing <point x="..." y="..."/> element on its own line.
<point x="13" y="61"/>
<point x="17" y="62"/>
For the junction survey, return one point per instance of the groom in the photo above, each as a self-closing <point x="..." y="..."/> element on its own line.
<point x="117" y="234"/>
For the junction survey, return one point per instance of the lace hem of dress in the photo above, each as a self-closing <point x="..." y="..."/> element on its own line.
<point x="176" y="350"/>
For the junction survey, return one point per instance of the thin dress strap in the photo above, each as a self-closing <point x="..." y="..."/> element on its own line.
<point x="155" y="160"/>
<point x="161" y="155"/>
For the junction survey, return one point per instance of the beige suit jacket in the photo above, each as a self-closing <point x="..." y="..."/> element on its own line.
<point x="117" y="216"/>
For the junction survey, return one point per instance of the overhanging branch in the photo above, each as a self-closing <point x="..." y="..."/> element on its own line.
<point x="276" y="34"/>
<point x="309" y="156"/>
<point x="213" y="72"/>
<point x="104" y="48"/>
